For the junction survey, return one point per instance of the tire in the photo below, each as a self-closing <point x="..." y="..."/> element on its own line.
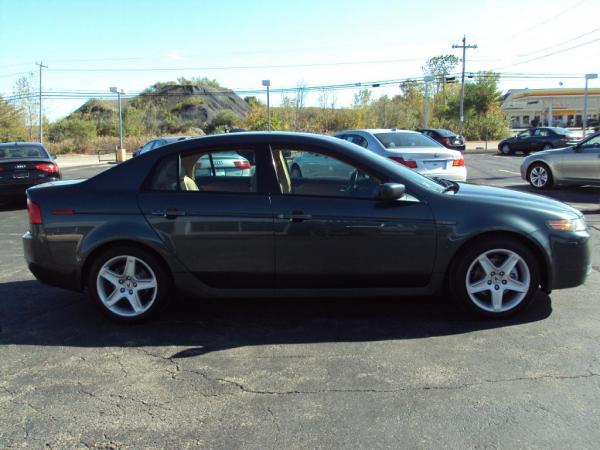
<point x="296" y="173"/>
<point x="118" y="294"/>
<point x="547" y="147"/>
<point x="505" y="149"/>
<point x="539" y="176"/>
<point x="480" y="293"/>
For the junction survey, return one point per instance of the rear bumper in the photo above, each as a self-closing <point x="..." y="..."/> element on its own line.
<point x="42" y="266"/>
<point x="454" y="174"/>
<point x="18" y="188"/>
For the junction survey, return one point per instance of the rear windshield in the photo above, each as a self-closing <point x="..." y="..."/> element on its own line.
<point x="445" y="133"/>
<point x="404" y="140"/>
<point x="22" y="151"/>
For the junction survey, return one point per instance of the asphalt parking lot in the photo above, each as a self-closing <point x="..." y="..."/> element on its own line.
<point x="322" y="373"/>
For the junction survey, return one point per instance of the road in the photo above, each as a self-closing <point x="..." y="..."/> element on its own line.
<point x="335" y="373"/>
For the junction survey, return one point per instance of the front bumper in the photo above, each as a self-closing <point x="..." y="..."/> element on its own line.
<point x="42" y="266"/>
<point x="571" y="259"/>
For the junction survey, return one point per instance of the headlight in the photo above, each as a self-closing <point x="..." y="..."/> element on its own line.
<point x="577" y="224"/>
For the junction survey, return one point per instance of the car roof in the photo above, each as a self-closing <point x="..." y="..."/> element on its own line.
<point x="441" y="131"/>
<point x="378" y="130"/>
<point x="16" y="144"/>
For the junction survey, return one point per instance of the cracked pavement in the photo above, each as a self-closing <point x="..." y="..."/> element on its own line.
<point x="321" y="373"/>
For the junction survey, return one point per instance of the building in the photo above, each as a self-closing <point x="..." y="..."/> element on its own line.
<point x="535" y="107"/>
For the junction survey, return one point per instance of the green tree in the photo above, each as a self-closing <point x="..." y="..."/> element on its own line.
<point x="12" y="123"/>
<point x="27" y="103"/>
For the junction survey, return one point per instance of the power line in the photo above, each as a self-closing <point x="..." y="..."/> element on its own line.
<point x="550" y="54"/>
<point x="560" y="44"/>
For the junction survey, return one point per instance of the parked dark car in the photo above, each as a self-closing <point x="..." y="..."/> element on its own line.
<point x="447" y="138"/>
<point x="158" y="142"/>
<point x="540" y="138"/>
<point x="137" y="232"/>
<point x="22" y="165"/>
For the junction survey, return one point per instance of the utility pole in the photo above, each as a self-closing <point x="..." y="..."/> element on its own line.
<point x="428" y="79"/>
<point x="464" y="47"/>
<point x="267" y="84"/>
<point x="40" y="132"/>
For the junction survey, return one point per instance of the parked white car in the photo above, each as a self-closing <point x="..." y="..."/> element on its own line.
<point x="411" y="149"/>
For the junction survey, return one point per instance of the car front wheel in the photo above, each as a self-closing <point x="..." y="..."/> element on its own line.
<point x="128" y="284"/>
<point x="505" y="149"/>
<point x="539" y="176"/>
<point x="495" y="278"/>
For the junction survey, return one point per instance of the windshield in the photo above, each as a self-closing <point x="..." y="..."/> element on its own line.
<point x="405" y="140"/>
<point x="22" y="151"/>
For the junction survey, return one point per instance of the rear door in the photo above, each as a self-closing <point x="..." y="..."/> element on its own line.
<point x="219" y="223"/>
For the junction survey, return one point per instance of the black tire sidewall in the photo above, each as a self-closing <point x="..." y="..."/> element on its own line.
<point x="464" y="259"/>
<point x="160" y="271"/>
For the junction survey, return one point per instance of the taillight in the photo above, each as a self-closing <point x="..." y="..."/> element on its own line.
<point x="405" y="162"/>
<point x="35" y="214"/>
<point x="241" y="164"/>
<point x="460" y="162"/>
<point x="47" y="167"/>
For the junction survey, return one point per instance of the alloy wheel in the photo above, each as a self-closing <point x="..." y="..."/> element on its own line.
<point x="506" y="149"/>
<point x="498" y="280"/>
<point x="127" y="286"/>
<point x="538" y="176"/>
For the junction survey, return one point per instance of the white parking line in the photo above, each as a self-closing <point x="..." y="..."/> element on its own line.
<point x="509" y="171"/>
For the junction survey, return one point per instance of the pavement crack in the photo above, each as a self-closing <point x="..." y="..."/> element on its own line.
<point x="277" y="428"/>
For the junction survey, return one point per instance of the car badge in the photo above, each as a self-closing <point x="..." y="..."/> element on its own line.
<point x="20" y="166"/>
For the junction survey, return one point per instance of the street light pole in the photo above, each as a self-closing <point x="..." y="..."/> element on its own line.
<point x="588" y="76"/>
<point x="267" y="84"/>
<point x="118" y="91"/>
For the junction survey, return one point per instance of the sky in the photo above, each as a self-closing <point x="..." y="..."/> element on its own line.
<point x="90" y="45"/>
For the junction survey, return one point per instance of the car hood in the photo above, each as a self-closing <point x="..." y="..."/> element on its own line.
<point x="506" y="197"/>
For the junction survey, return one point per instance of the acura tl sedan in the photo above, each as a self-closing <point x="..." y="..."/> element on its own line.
<point x="411" y="149"/>
<point x="141" y="231"/>
<point x="578" y="164"/>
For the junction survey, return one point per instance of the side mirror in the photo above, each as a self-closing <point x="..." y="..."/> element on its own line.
<point x="391" y="191"/>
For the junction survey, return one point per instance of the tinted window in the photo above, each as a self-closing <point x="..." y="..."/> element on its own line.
<point x="22" y="151"/>
<point x="165" y="175"/>
<point x="403" y="140"/>
<point x="358" y="140"/>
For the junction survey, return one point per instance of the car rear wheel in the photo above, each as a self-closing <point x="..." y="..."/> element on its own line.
<point x="505" y="149"/>
<point x="296" y="172"/>
<point x="128" y="284"/>
<point x="495" y="278"/>
<point x="539" y="176"/>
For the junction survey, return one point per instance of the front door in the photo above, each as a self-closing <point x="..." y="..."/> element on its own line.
<point x="334" y="232"/>
<point x="209" y="207"/>
<point x="584" y="163"/>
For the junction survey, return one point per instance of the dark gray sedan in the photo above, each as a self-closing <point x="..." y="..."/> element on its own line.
<point x="139" y="232"/>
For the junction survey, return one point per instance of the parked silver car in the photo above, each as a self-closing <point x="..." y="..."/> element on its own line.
<point x="411" y="149"/>
<point x="575" y="165"/>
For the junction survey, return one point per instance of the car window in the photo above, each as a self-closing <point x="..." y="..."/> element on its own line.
<point x="524" y="134"/>
<point x="541" y="133"/>
<point x="405" y="140"/>
<point x="220" y="171"/>
<point x="302" y="172"/>
<point x="22" y="151"/>
<point x="592" y="142"/>
<point x="358" y="140"/>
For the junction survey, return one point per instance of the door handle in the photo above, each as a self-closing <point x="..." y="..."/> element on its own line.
<point x="169" y="213"/>
<point x="295" y="217"/>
